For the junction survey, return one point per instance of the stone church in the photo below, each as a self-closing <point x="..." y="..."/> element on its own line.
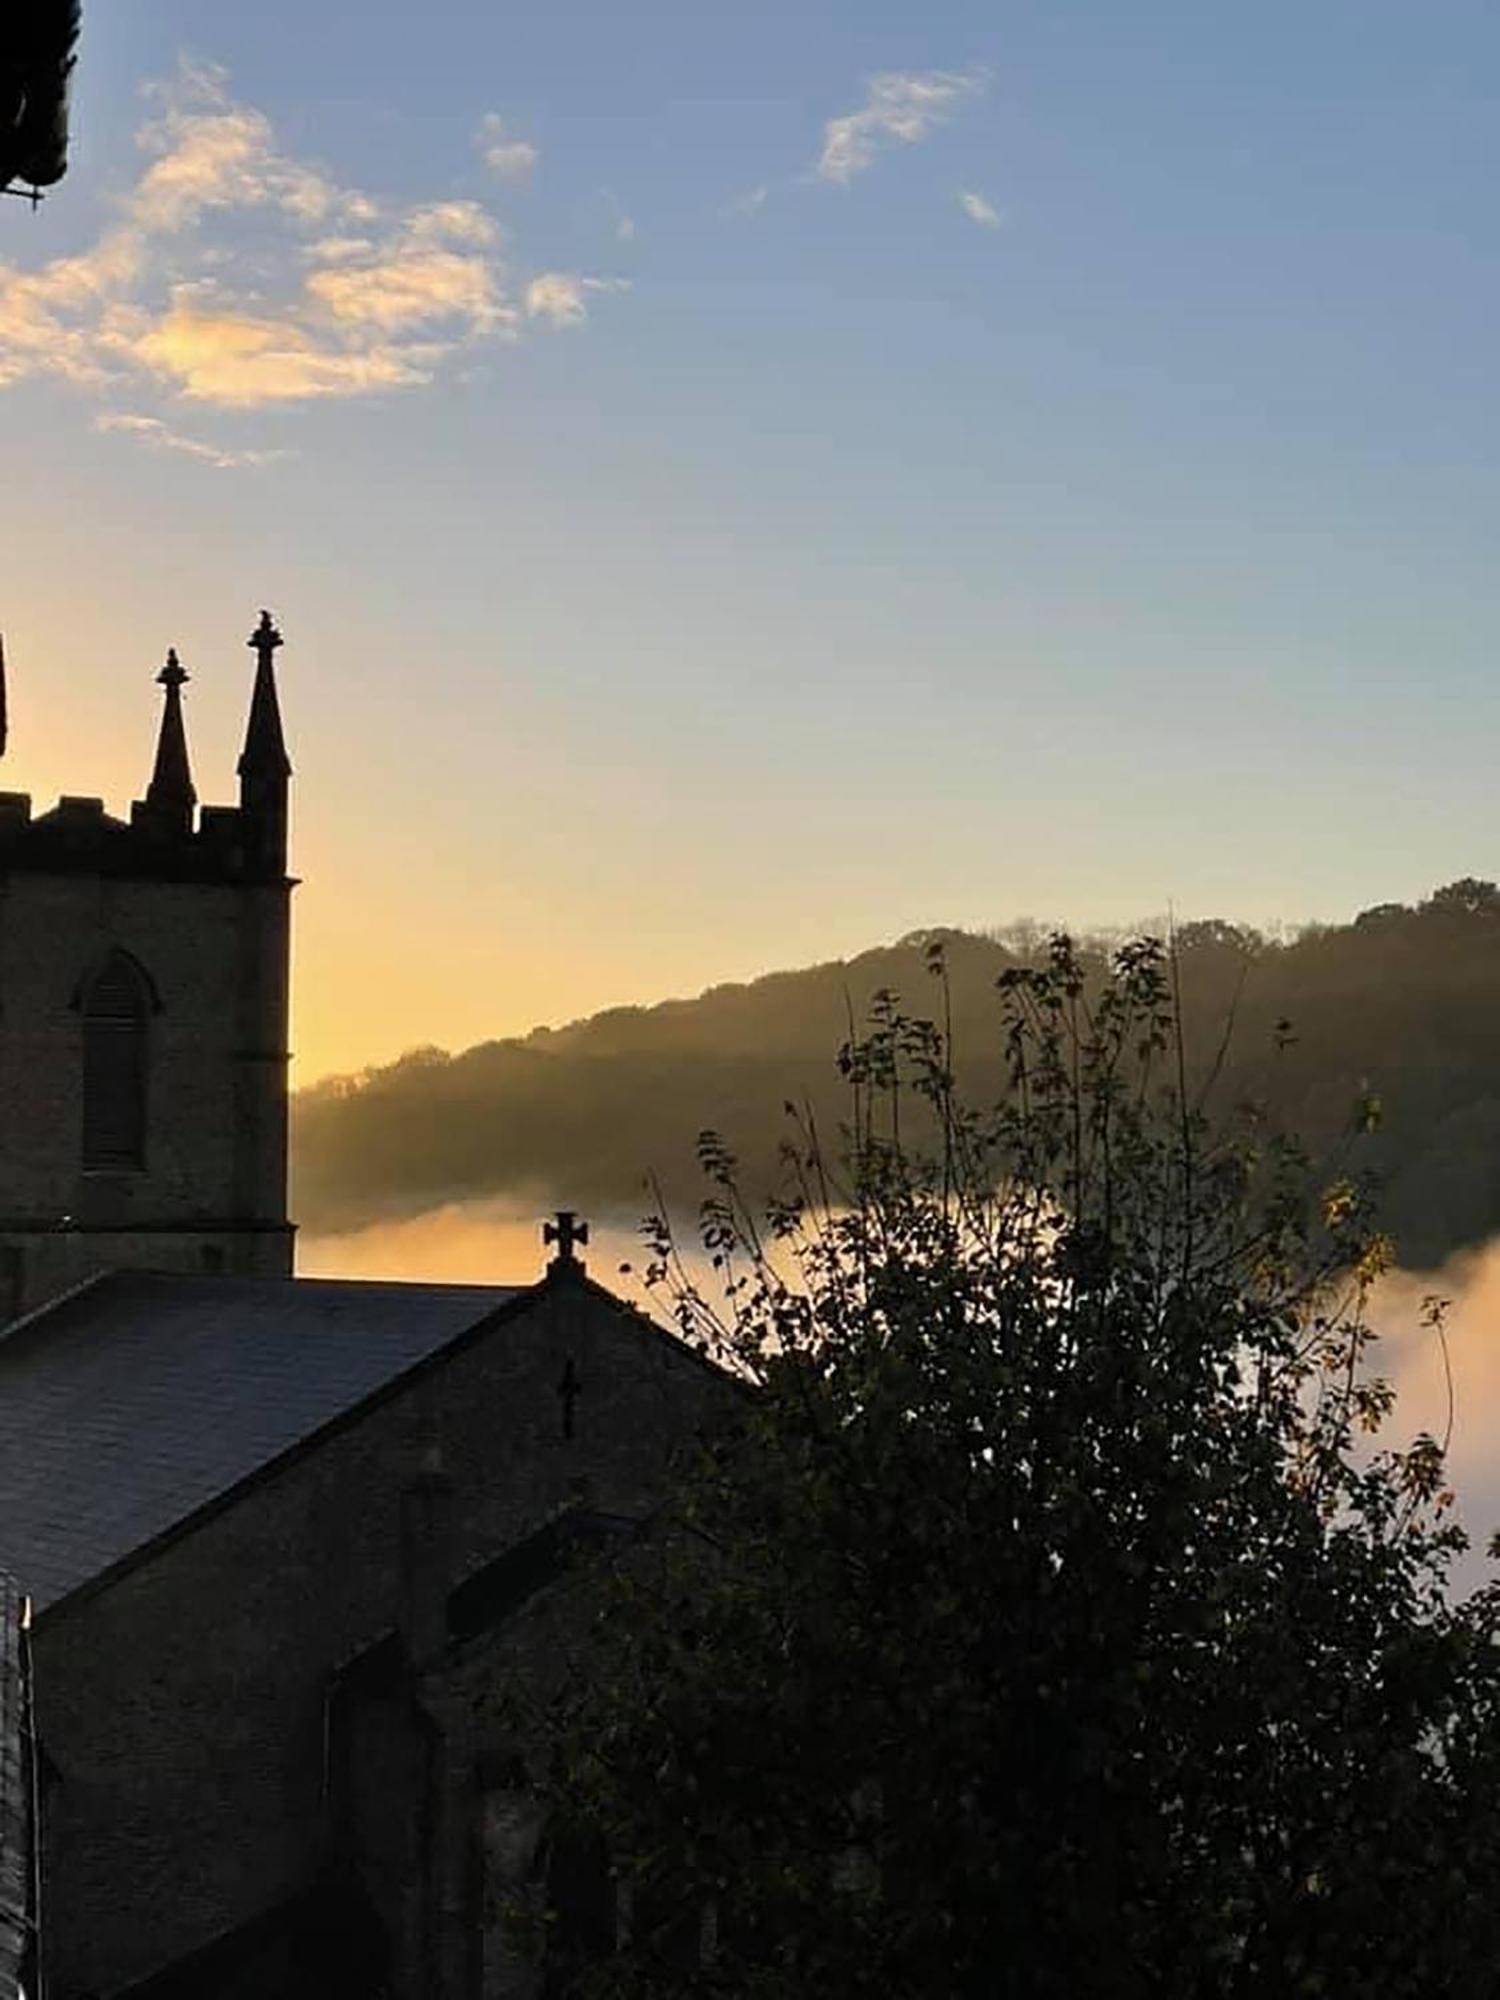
<point x="283" y="1539"/>
<point x="143" y="1020"/>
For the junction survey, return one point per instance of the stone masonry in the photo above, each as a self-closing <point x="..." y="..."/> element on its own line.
<point x="184" y="1695"/>
<point x="196" y="905"/>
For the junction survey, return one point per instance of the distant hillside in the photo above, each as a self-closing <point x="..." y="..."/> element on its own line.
<point x="1405" y="1002"/>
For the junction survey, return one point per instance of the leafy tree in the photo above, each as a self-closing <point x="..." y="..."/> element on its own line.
<point x="1407" y="1000"/>
<point x="1214" y="934"/>
<point x="1051" y="1624"/>
<point x="1381" y="913"/>
<point x="1467" y="897"/>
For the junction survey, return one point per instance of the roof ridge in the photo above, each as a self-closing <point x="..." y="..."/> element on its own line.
<point x="88" y="1284"/>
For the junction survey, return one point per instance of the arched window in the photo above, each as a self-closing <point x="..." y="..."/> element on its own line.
<point x="116" y="1009"/>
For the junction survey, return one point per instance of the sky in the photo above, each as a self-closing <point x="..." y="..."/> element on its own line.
<point x="740" y="484"/>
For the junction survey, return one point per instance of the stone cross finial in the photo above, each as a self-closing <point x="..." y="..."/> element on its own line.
<point x="567" y="1232"/>
<point x="170" y="794"/>
<point x="265" y="638"/>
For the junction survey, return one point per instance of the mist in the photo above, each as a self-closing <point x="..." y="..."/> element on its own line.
<point x="470" y="1243"/>
<point x="1412" y="1356"/>
<point x="1399" y="1009"/>
<point x="495" y="1242"/>
<point x="442" y="1166"/>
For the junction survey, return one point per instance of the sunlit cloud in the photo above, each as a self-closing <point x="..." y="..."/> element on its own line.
<point x="899" y="108"/>
<point x="557" y="296"/>
<point x="431" y="270"/>
<point x="408" y="290"/>
<point x="978" y="209"/>
<point x="561" y="297"/>
<point x="211" y="153"/>
<point x="216" y="354"/>
<point x="232" y="274"/>
<point x="338" y="249"/>
<point x="511" y="159"/>
<point x="151" y="431"/>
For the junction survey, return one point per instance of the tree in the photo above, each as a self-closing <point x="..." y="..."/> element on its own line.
<point x="1468" y="897"/>
<point x="1215" y="934"/>
<point x="1051" y="1624"/>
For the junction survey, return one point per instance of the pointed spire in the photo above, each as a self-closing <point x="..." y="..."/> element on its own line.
<point x="170" y="794"/>
<point x="264" y="766"/>
<point x="264" y="755"/>
<point x="4" y="726"/>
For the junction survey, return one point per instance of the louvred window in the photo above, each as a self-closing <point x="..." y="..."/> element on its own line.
<point x="116" y="1015"/>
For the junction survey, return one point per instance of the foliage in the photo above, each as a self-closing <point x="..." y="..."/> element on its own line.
<point x="1404" y="1002"/>
<point x="1051" y="1625"/>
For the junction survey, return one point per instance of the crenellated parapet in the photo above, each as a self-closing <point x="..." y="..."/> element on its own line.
<point x="167" y="838"/>
<point x="78" y="837"/>
<point x="144" y="1001"/>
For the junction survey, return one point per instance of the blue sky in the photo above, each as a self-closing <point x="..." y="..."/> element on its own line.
<point x="738" y="484"/>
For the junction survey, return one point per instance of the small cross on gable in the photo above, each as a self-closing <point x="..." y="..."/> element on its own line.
<point x="568" y="1233"/>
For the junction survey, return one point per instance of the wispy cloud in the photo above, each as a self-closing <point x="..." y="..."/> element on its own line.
<point x="624" y="224"/>
<point x="233" y="275"/>
<point x="434" y="268"/>
<point x="511" y="159"/>
<point x="210" y="153"/>
<point x="751" y="202"/>
<point x="561" y="297"/>
<point x="978" y="209"/>
<point x="899" y="108"/>
<point x="161" y="437"/>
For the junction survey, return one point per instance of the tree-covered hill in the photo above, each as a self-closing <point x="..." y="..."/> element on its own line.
<point x="1402" y="1004"/>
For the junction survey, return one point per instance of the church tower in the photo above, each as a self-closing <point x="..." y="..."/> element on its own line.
<point x="143" y="1019"/>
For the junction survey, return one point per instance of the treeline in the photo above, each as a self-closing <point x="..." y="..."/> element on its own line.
<point x="1400" y="1007"/>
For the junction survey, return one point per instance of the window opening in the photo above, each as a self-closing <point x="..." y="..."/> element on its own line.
<point x="114" y="1067"/>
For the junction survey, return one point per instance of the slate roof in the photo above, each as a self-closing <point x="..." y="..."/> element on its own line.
<point x="141" y="1397"/>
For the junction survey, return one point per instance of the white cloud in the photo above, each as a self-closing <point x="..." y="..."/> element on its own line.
<point x="624" y="224"/>
<point x="214" y="154"/>
<point x="561" y="297"/>
<point x="417" y="277"/>
<point x="50" y="320"/>
<point x="451" y="222"/>
<point x="215" y="353"/>
<point x="557" y="296"/>
<point x="161" y="437"/>
<point x="898" y="107"/>
<point x="232" y="274"/>
<point x="751" y="202"/>
<point x="412" y="289"/>
<point x="511" y="159"/>
<point x="338" y="249"/>
<point x="978" y="209"/>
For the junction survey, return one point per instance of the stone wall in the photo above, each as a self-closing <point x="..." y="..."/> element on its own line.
<point x="216" y="954"/>
<point x="184" y="1704"/>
